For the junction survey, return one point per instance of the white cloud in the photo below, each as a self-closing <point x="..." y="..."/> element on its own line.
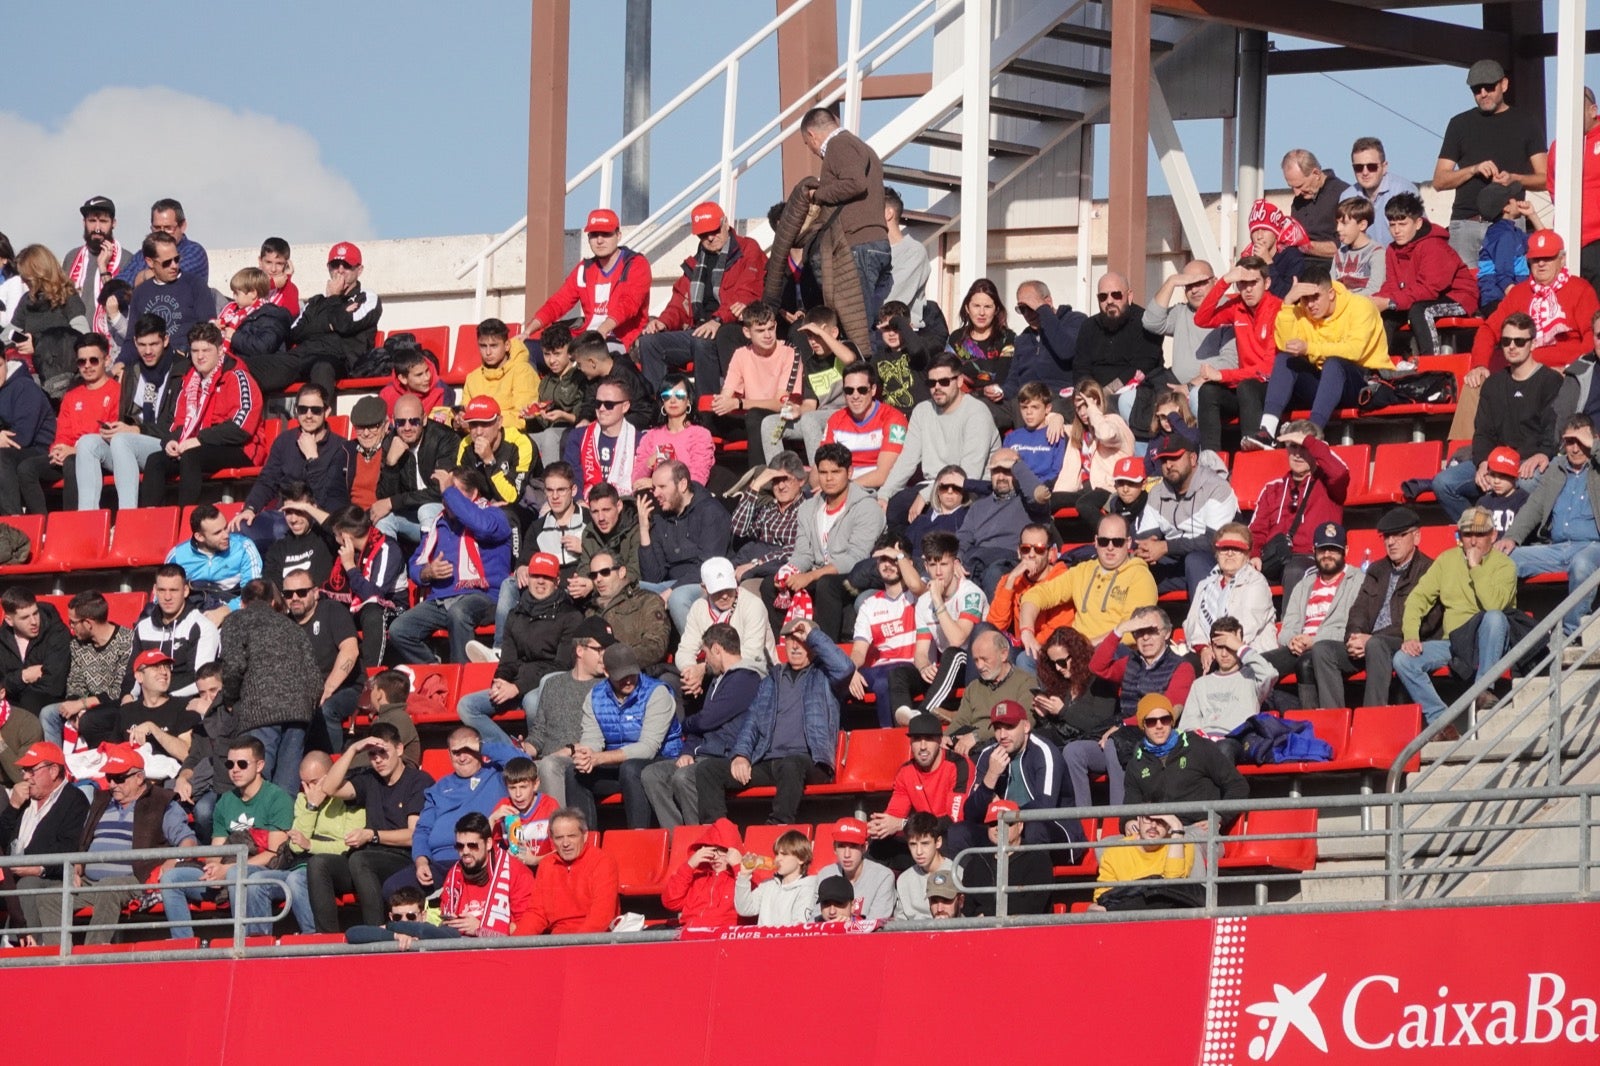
<point x="241" y="176"/>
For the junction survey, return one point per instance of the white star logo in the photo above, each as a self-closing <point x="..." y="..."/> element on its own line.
<point x="1288" y="1010"/>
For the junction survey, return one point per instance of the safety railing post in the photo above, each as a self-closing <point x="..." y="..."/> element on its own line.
<point x="64" y="928"/>
<point x="240" y="903"/>
<point x="1002" y="866"/>
<point x="730" y="112"/>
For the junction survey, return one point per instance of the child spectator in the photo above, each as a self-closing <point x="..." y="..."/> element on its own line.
<point x="789" y="896"/>
<point x="1096" y="440"/>
<point x="925" y="839"/>
<point x="251" y="325"/>
<point x="416" y="372"/>
<point x="1503" y="258"/>
<point x="1504" y="497"/>
<point x="904" y="358"/>
<point x="762" y="377"/>
<point x="560" y="394"/>
<point x="509" y="378"/>
<point x="522" y="820"/>
<point x="1424" y="279"/>
<point x="274" y="261"/>
<point x="1173" y="416"/>
<point x="825" y="357"/>
<point x="1030" y="440"/>
<point x="1232" y="692"/>
<point x="1359" y="261"/>
<point x="702" y="888"/>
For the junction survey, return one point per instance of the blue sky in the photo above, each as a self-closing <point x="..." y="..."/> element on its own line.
<point x="320" y="122"/>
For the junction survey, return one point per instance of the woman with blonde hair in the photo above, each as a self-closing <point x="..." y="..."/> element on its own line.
<point x="1096" y="439"/>
<point x="49" y="319"/>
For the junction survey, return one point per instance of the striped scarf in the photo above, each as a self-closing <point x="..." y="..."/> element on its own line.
<point x="496" y="917"/>
<point x="705" y="283"/>
<point x="468" y="562"/>
<point x="86" y="266"/>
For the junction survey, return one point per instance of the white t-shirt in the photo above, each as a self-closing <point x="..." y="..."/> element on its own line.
<point x="967" y="601"/>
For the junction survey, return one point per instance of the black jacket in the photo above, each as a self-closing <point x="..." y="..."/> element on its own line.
<point x="328" y="475"/>
<point x="1193" y="772"/>
<point x="1115" y="349"/>
<point x="1369" y="600"/>
<point x="435" y="451"/>
<point x="342" y="327"/>
<point x="130" y="410"/>
<point x="52" y="650"/>
<point x="269" y="672"/>
<point x="644" y="409"/>
<point x="264" y="331"/>
<point x="680" y="543"/>
<point x="538" y="640"/>
<point x="58" y="832"/>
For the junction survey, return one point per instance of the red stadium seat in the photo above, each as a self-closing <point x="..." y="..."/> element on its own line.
<point x="761" y="839"/>
<point x="126" y="607"/>
<point x="1251" y="472"/>
<point x="1379" y="734"/>
<point x="436" y="763"/>
<point x="1298" y="854"/>
<point x="822" y="847"/>
<point x="1436" y="539"/>
<point x="641" y="858"/>
<point x="76" y="540"/>
<point x="228" y="509"/>
<point x="475" y="677"/>
<point x="1088" y="863"/>
<point x="143" y="536"/>
<point x="871" y="759"/>
<point x="464" y="357"/>
<point x="451" y="674"/>
<point x="1356" y="457"/>
<point x="274" y="428"/>
<point x="1394" y="464"/>
<point x="339" y="426"/>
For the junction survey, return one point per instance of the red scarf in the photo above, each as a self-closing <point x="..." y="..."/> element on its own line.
<point x="468" y="562"/>
<point x="496" y="917"/>
<point x="197" y="392"/>
<point x="231" y="316"/>
<point x="1544" y="307"/>
<point x="620" y="472"/>
<point x="78" y="269"/>
<point x="338" y="584"/>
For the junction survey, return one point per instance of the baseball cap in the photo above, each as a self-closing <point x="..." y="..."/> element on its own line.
<point x="1330" y="535"/>
<point x="620" y="662"/>
<point x="716" y="574"/>
<point x="941" y="885"/>
<point x="992" y="815"/>
<point x="98" y="205"/>
<point x="1545" y="244"/>
<point x="482" y="409"/>
<point x="850" y="831"/>
<point x="1505" y="461"/>
<point x="835" y="889"/>
<point x="1007" y="712"/>
<point x="1169" y="445"/>
<point x="1129" y="468"/>
<point x="1151" y="702"/>
<point x="543" y="564"/>
<point x="345" y="252"/>
<point x="924" y="725"/>
<point x="153" y="657"/>
<point x="369" y="411"/>
<point x="1475" y="520"/>
<point x="1398" y="520"/>
<point x="40" y="753"/>
<point x="595" y="628"/>
<point x="120" y="758"/>
<point x="705" y="218"/>
<point x="602" y="220"/>
<point x="1485" y="72"/>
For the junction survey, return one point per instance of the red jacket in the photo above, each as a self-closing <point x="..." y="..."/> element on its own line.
<point x="701" y="896"/>
<point x="83" y="409"/>
<point x="1252" y="330"/>
<point x="1589" y="231"/>
<point x="743" y="276"/>
<point x="232" y="413"/>
<point x="1427" y="269"/>
<point x="1330" y="482"/>
<point x="623" y="295"/>
<point x="1577" y="299"/>
<point x="574" y="897"/>
<point x="941" y="791"/>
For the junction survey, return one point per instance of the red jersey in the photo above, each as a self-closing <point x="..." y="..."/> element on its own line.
<point x="83" y="409"/>
<point x="889" y="627"/>
<point x="526" y="834"/>
<point x="1589" y="228"/>
<point x="883" y="431"/>
<point x="941" y="791"/>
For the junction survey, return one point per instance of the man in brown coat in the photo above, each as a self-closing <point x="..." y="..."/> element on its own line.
<point x="852" y="181"/>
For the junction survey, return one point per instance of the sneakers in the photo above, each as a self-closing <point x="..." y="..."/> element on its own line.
<point x="903" y="715"/>
<point x="1259" y="441"/>
<point x="479" y="652"/>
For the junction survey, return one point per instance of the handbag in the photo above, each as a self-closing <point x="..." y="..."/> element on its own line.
<point x="1279" y="549"/>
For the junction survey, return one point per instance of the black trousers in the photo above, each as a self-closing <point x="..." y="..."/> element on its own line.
<point x="1219" y="403"/>
<point x="193" y="467"/>
<point x="789" y="775"/>
<point x="362" y="871"/>
<point x="276" y="371"/>
<point x="827" y="601"/>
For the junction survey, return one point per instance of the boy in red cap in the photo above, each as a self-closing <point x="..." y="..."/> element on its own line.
<point x="612" y="286"/>
<point x="1505" y="497"/>
<point x="1028" y="869"/>
<point x="872" y="882"/>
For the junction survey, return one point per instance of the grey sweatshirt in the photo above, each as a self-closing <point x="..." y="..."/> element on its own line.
<point x="774" y="903"/>
<point x="874" y="888"/>
<point x="1192" y="345"/>
<point x="963" y="434"/>
<point x="1220" y="703"/>
<point x="556" y="717"/>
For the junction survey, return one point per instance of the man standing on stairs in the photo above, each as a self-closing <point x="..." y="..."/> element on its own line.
<point x="852" y="181"/>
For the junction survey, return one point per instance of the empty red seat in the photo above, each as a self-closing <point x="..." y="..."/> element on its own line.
<point x="1251" y="472"/>
<point x="641" y="858"/>
<point x="822" y="847"/>
<point x="1379" y="734"/>
<point x="761" y="839"/>
<point x="1356" y="457"/>
<point x="464" y="357"/>
<point x="871" y="759"/>
<point x="76" y="540"/>
<point x="144" y="535"/>
<point x="1296" y="852"/>
<point x="450" y="673"/>
<point x="1436" y="539"/>
<point x="436" y="763"/>
<point x="126" y="607"/>
<point x="1396" y="463"/>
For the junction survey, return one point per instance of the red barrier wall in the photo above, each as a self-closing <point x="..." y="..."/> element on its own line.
<point x="1459" y="986"/>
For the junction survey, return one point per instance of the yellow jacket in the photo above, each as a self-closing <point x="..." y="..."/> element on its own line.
<point x="1130" y="862"/>
<point x="1104" y="598"/>
<point x="1353" y="331"/>
<point x="514" y="384"/>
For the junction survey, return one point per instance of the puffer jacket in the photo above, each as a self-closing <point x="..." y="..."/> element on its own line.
<point x="538" y="639"/>
<point x="264" y="331"/>
<point x="801" y="222"/>
<point x="269" y="672"/>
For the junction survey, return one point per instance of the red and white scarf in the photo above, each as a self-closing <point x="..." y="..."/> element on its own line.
<point x="468" y="562"/>
<point x="496" y="917"/>
<point x="1549" y="317"/>
<point x="620" y="471"/>
<point x="231" y="316"/>
<point x="85" y="265"/>
<point x="338" y="584"/>
<point x="197" y="392"/>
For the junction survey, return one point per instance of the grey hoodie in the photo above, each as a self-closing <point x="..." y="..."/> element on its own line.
<point x="849" y="541"/>
<point x="1220" y="703"/>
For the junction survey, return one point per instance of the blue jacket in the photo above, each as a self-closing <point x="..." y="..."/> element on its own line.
<point x="220" y="575"/>
<point x="1045" y="354"/>
<point x="1502" y="260"/>
<point x="328" y="475"/>
<point x="623" y="723"/>
<point x="715" y="728"/>
<point x="25" y="409"/>
<point x="486" y="523"/>
<point x="452" y="796"/>
<point x="1043" y="775"/>
<point x="829" y="667"/>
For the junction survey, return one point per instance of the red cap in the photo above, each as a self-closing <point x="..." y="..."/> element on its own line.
<point x="345" y="252"/>
<point x="1544" y="244"/>
<point x="850" y="831"/>
<point x="602" y="220"/>
<point x="40" y="753"/>
<point x="705" y="218"/>
<point x="120" y="758"/>
<point x="1128" y="468"/>
<point x="1232" y="540"/>
<point x="153" y="657"/>
<point x="543" y="564"/>
<point x="1505" y="461"/>
<point x="992" y="815"/>
<point x="1008" y="712"/>
<point x="482" y="409"/>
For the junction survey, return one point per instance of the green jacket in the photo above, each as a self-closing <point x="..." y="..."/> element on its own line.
<point x="1463" y="593"/>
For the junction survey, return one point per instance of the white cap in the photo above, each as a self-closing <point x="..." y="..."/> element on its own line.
<point x="717" y="576"/>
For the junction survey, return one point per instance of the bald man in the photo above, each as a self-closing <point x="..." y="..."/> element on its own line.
<point x="1116" y="350"/>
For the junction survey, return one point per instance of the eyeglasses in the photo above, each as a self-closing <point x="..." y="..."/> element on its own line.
<point x="604" y="571"/>
<point x="166" y="262"/>
<point x="941" y="383"/>
<point x="1148" y="631"/>
<point x="118" y="779"/>
<point x="1110" y="542"/>
<point x="1366" y="168"/>
<point x="35" y="768"/>
<point x="310" y="409"/>
<point x="1486" y="87"/>
<point x="405" y="916"/>
<point x="408" y="421"/>
<point x="606" y="405"/>
<point x="467" y="845"/>
<point x="239" y="764"/>
<point x="297" y="594"/>
<point x="465" y="753"/>
<point x="590" y="645"/>
<point x="1033" y="549"/>
<point x="858" y="390"/>
<point x="88" y="362"/>
<point x="1157" y="719"/>
<point x="674" y="394"/>
<point x="1114" y="294"/>
<point x="1515" y="342"/>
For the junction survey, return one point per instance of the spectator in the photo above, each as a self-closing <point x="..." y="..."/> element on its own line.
<point x="884" y="643"/>
<point x="730" y="685"/>
<point x="1589" y="194"/>
<point x="678" y="433"/>
<point x="274" y="261"/>
<point x="852" y="181"/>
<point x="948" y="428"/>
<point x="1193" y="346"/>
<point x="1374" y="184"/>
<point x="167" y="218"/>
<point x="252" y="325"/>
<point x="1360" y="264"/>
<point x="558" y="532"/>
<point x="944" y="514"/>
<point x="997" y="681"/>
<point x="1424" y="278"/>
<point x="628" y="723"/>
<point x="948" y="611"/>
<point x="790" y="896"/>
<point x="1317" y="610"/>
<point x="253" y="805"/>
<point x="1328" y="338"/>
<point x="726" y="603"/>
<point x="465" y="553"/>
<point x="337" y="650"/>
<point x="1487" y="143"/>
<point x="1130" y="496"/>
<point x="874" y="432"/>
<point x="598" y="365"/>
<point x="131" y="813"/>
<point x="1035" y="546"/>
<point x="151" y="385"/>
<point x="311" y="453"/>
<point x="1231" y="692"/>
<point x="611" y="528"/>
<point x="699" y="325"/>
<point x="909" y="266"/>
<point x="84" y="409"/>
<point x="218" y="563"/>
<point x="1518" y="410"/>
<point x="985" y="345"/>
<point x="171" y="624"/>
<point x="154" y="718"/>
<point x="35" y="652"/>
<point x="1186" y="508"/>
<point x="835" y="895"/>
<point x="871" y="883"/>
<point x="1292" y="506"/>
<point x="270" y="679"/>
<point x="415" y="371"/>
<point x="98" y="260"/>
<point x="924" y="838"/>
<point x="612" y="288"/>
<point x="177" y="295"/>
<point x="474" y="784"/>
<point x="1317" y="193"/>
<point x="1152" y="852"/>
<point x="44" y="817"/>
<point x="701" y="888"/>
<point x="1562" y="308"/>
<point x="1171" y="766"/>
<point x="333" y="329"/>
<point x="906" y="351"/>
<point x="933" y="784"/>
<point x="101" y="651"/>
<point x="197" y="786"/>
<point x="762" y="376"/>
<point x="576" y="889"/>
<point x="1032" y="437"/>
<point x="392" y="794"/>
<point x="31" y="426"/>
<point x="216" y="424"/>
<point x="1253" y="313"/>
<point x="980" y="871"/>
<point x="307" y="544"/>
<point x="1102" y="592"/>
<point x="538" y="632"/>
<point x="408" y="500"/>
<point x="561" y="393"/>
<point x="945" y="901"/>
<point x="320" y="830"/>
<point x="1070" y="711"/>
<point x="368" y="578"/>
<point x="679" y="525"/>
<point x="638" y="619"/>
<point x="1151" y="665"/>
<point x="1372" y="635"/>
<point x="1233" y="588"/>
<point x="1280" y="242"/>
<point x="765" y="524"/>
<point x="1020" y="767"/>
<point x="502" y="453"/>
<point x="388" y="694"/>
<point x="1565" y="505"/>
<point x="1001" y="507"/>
<point x="604" y="452"/>
<point x="522" y="820"/>
<point x="1476" y="587"/>
<point x="835" y="530"/>
<point x="1503" y="257"/>
<point x="1118" y="352"/>
<point x="790" y="738"/>
<point x="504" y="373"/>
<point x="1048" y="344"/>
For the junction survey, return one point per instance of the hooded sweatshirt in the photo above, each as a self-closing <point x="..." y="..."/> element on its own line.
<point x="1425" y="269"/>
<point x="701" y="895"/>
<point x="1353" y="331"/>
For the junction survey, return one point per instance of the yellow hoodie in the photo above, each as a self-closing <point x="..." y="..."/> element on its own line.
<point x="514" y="383"/>
<point x="1104" y="598"/>
<point x="1353" y="331"/>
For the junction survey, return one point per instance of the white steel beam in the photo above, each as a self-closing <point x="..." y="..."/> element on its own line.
<point x="1180" y="179"/>
<point x="1569" y="124"/>
<point x="976" y="41"/>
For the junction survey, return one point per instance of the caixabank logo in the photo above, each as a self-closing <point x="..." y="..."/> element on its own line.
<point x="1340" y="1013"/>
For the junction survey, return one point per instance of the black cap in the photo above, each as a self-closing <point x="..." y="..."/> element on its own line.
<point x="369" y="411"/>
<point x="1329" y="535"/>
<point x="1398" y="520"/>
<point x="925" y="725"/>
<point x="98" y="205"/>
<point x="620" y="662"/>
<point x="595" y="628"/>
<point x="835" y="889"/>
<point x="1169" y="444"/>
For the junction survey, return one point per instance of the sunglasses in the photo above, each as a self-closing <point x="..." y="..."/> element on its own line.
<point x="604" y="571"/>
<point x="1157" y="719"/>
<point x="1110" y="542"/>
<point x="460" y="846"/>
<point x="1366" y="168"/>
<point x="1148" y="631"/>
<point x="674" y="394"/>
<point x="118" y="779"/>
<point x="408" y="421"/>
<point x="1025" y="311"/>
<point x="1515" y="342"/>
<point x="607" y="405"/>
<point x="238" y="764"/>
<point x="166" y="262"/>
<point x="1061" y="663"/>
<point x="1032" y="549"/>
<point x="466" y="753"/>
<point x="950" y="488"/>
<point x="405" y="916"/>
<point x="88" y="362"/>
<point x="310" y="409"/>
<point x="941" y="383"/>
<point x="858" y="390"/>
<point x="296" y="594"/>
<point x="1114" y="294"/>
<point x="1486" y="87"/>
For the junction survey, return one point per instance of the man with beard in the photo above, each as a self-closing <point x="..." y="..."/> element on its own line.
<point x="1116" y="350"/>
<point x="1185" y="509"/>
<point x="679" y="525"/>
<point x="637" y="618"/>
<point x="934" y="781"/>
<point x="1317" y="609"/>
<point x="338" y="652"/>
<point x="99" y="258"/>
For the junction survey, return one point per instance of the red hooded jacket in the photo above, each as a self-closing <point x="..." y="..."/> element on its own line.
<point x="743" y="276"/>
<point x="1578" y="303"/>
<point x="621" y="294"/>
<point x="1428" y="269"/>
<point x="700" y="895"/>
<point x="1253" y="331"/>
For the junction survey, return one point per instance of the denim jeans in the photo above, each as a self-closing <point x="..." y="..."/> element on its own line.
<point x="50" y="721"/>
<point x="333" y="714"/>
<point x="509" y="593"/>
<point x="125" y="456"/>
<point x="583" y="790"/>
<point x="1456" y="487"/>
<point x="678" y="603"/>
<point x="1414" y="670"/>
<point x="460" y="616"/>
<point x="181" y="884"/>
<point x="1336" y="383"/>
<point x="299" y="894"/>
<point x="1579" y="558"/>
<point x="286" y="746"/>
<point x="873" y="261"/>
<point x="476" y="710"/>
<point x="399" y="527"/>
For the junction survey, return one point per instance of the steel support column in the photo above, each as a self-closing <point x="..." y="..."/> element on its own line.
<point x="808" y="51"/>
<point x="1130" y="139"/>
<point x="635" y="111"/>
<point x="1569" y="124"/>
<point x="1252" y="133"/>
<point x="977" y="34"/>
<point x="547" y="151"/>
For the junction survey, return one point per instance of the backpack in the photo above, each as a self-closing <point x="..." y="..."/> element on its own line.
<point x="14" y="546"/>
<point x="1269" y="739"/>
<point x="379" y="362"/>
<point x="1428" y="386"/>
